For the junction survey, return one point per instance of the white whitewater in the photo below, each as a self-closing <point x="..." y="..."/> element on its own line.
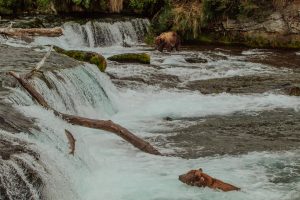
<point x="105" y="167"/>
<point x="100" y="33"/>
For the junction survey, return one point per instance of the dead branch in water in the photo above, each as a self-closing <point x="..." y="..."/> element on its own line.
<point x="39" y="65"/>
<point x="20" y="32"/>
<point x="71" y="141"/>
<point x="89" y="123"/>
<point x="30" y="89"/>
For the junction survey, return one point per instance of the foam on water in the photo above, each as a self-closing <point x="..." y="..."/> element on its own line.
<point x="176" y="65"/>
<point x="256" y="52"/>
<point x="151" y="105"/>
<point x="104" y="167"/>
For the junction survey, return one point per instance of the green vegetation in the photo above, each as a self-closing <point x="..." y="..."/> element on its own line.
<point x="189" y="17"/>
<point x="84" y="56"/>
<point x="131" y="58"/>
<point x="114" y="6"/>
<point x="146" y="6"/>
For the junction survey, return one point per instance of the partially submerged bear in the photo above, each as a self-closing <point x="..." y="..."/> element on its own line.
<point x="200" y="179"/>
<point x="167" y="40"/>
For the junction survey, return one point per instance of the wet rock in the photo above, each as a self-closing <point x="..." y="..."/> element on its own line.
<point x="23" y="60"/>
<point x="13" y="147"/>
<point x="294" y="91"/>
<point x="239" y="133"/>
<point x="168" y="118"/>
<point x="195" y="60"/>
<point x="13" y="121"/>
<point x="31" y="23"/>
<point x="245" y="84"/>
<point x="85" y="56"/>
<point x="142" y="58"/>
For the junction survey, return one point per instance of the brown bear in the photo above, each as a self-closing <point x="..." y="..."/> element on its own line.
<point x="200" y="179"/>
<point x="167" y="40"/>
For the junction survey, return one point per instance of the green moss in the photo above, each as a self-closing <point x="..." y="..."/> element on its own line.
<point x="205" y="38"/>
<point x="90" y="57"/>
<point x="150" y="37"/>
<point x="131" y="58"/>
<point x="5" y="11"/>
<point x="100" y="62"/>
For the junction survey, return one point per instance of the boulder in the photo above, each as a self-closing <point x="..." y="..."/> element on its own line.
<point x="131" y="58"/>
<point x="195" y="60"/>
<point x="294" y="91"/>
<point x="85" y="56"/>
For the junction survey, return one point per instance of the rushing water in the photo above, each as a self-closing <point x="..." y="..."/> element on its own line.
<point x="104" y="166"/>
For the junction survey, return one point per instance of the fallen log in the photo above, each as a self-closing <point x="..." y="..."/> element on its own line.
<point x="20" y="32"/>
<point x="71" y="141"/>
<point x="106" y="125"/>
<point x="112" y="127"/>
<point x="30" y="89"/>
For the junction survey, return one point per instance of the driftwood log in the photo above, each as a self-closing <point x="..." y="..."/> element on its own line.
<point x="39" y="65"/>
<point x="26" y="32"/>
<point x="106" y="125"/>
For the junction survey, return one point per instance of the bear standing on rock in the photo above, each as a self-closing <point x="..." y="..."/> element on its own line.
<point x="167" y="40"/>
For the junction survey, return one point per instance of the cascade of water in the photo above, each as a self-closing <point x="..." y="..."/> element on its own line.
<point x="83" y="90"/>
<point x="100" y="33"/>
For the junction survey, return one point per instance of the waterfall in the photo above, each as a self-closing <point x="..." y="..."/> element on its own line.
<point x="99" y="33"/>
<point x="31" y="161"/>
<point x="82" y="90"/>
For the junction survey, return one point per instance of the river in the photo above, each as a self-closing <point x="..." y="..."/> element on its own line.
<point x="222" y="109"/>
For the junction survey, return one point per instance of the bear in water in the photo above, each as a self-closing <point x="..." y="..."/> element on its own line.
<point x="167" y="40"/>
<point x="200" y="179"/>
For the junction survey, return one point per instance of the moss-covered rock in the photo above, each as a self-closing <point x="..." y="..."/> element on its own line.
<point x="90" y="57"/>
<point x="131" y="58"/>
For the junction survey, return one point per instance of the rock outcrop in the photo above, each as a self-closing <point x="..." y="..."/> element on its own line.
<point x="280" y="29"/>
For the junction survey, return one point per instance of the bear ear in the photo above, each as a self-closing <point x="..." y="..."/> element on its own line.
<point x="200" y="169"/>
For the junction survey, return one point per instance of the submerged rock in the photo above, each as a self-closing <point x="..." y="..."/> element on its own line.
<point x="195" y="60"/>
<point x="85" y="56"/>
<point x="294" y="91"/>
<point x="131" y="58"/>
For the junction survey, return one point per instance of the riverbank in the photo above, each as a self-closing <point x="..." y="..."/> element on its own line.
<point x="256" y="24"/>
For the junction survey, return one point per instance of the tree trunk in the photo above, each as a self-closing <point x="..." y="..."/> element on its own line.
<point x="90" y="123"/>
<point x="19" y="32"/>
